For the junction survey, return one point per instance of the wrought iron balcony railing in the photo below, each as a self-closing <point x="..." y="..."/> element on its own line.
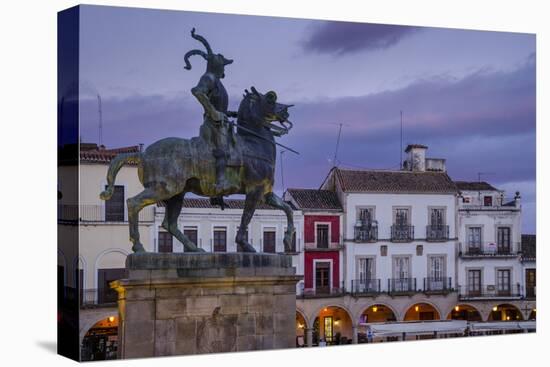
<point x="401" y="285"/>
<point x="489" y="292"/>
<point x="365" y="286"/>
<point x="366" y="234"/>
<point x="476" y="249"/>
<point x="402" y="233"/>
<point x="437" y="232"/>
<point x="437" y="285"/>
<point x="322" y="292"/>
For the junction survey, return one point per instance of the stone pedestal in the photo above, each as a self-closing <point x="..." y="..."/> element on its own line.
<point x="191" y="303"/>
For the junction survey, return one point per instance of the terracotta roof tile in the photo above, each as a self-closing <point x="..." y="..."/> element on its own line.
<point x="100" y="155"/>
<point x="394" y="181"/>
<point x="474" y="186"/>
<point x="203" y="203"/>
<point x="315" y="199"/>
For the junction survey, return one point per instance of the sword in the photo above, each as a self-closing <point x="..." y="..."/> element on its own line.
<point x="259" y="136"/>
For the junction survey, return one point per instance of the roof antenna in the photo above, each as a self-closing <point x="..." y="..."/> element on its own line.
<point x="401" y="142"/>
<point x="337" y="145"/>
<point x="100" y="120"/>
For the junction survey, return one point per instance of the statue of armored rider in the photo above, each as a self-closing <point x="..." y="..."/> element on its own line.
<point x="212" y="95"/>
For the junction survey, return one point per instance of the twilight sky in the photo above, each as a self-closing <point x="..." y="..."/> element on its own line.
<point x="468" y="95"/>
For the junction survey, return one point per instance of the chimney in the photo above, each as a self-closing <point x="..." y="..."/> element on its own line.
<point x="416" y="160"/>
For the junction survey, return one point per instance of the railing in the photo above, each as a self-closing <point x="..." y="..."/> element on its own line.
<point x="321" y="292"/>
<point x="402" y="233"/>
<point x="498" y="204"/>
<point x="366" y="234"/>
<point x="401" y="285"/>
<point x="365" y="286"/>
<point x="489" y="291"/>
<point x="316" y="246"/>
<point x="489" y="250"/>
<point x="437" y="232"/>
<point x="97" y="213"/>
<point x="437" y="285"/>
<point x="98" y="297"/>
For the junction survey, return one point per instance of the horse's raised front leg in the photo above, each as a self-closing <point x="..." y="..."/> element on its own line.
<point x="170" y="223"/>
<point x="277" y="202"/>
<point x="250" y="204"/>
<point x="135" y="205"/>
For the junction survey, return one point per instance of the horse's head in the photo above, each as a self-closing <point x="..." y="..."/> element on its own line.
<point x="259" y="109"/>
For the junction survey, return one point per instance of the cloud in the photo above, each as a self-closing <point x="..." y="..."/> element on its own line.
<point x="344" y="37"/>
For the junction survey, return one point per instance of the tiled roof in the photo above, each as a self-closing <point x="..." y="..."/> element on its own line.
<point x="203" y="203"/>
<point x="394" y="181"/>
<point x="474" y="186"/>
<point x="315" y="199"/>
<point x="529" y="246"/>
<point x="102" y="155"/>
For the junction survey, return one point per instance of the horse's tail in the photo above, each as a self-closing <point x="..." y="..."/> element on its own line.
<point x="116" y="165"/>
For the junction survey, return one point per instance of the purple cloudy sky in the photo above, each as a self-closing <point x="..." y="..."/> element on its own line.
<point x="468" y="95"/>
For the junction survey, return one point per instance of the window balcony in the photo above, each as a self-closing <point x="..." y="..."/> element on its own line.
<point x="441" y="285"/>
<point x="401" y="286"/>
<point x="321" y="292"/>
<point x="488" y="250"/>
<point x="489" y="292"/>
<point x="365" y="287"/>
<point x="437" y="233"/>
<point x="312" y="246"/>
<point x="402" y="233"/>
<point x="366" y="234"/>
<point x="90" y="298"/>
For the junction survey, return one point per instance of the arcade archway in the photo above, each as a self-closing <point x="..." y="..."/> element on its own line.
<point x="464" y="312"/>
<point x="332" y="326"/>
<point x="421" y="312"/>
<point x="505" y="312"/>
<point x="101" y="341"/>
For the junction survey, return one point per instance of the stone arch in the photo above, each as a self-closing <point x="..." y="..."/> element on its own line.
<point x="506" y="310"/>
<point x="475" y="308"/>
<point x="102" y="255"/>
<point x="331" y="304"/>
<point x="304" y="316"/>
<point x="88" y="320"/>
<point x="362" y="310"/>
<point x="406" y="309"/>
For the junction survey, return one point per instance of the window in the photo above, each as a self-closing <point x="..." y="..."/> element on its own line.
<point x="322" y="235"/>
<point x="474" y="282"/>
<point x="401" y="217"/>
<point x="165" y="242"/>
<point x="437" y="268"/>
<point x="114" y="208"/>
<point x="503" y="282"/>
<point x="328" y="328"/>
<point x="487" y="201"/>
<point x="192" y="233"/>
<point x="220" y="239"/>
<point x="366" y="216"/>
<point x="322" y="277"/>
<point x="437" y="217"/>
<point x="474" y="239"/>
<point x="503" y="240"/>
<point x="269" y="240"/>
<point x="106" y="276"/>
<point x="401" y="273"/>
<point x="365" y="269"/>
<point x="530" y="282"/>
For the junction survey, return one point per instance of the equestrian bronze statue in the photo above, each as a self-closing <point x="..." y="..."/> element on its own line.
<point x="172" y="167"/>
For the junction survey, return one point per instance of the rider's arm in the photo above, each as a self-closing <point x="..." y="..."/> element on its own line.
<point x="205" y="85"/>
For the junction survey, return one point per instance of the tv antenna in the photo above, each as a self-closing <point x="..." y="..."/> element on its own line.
<point x="100" y="120"/>
<point x="337" y="145"/>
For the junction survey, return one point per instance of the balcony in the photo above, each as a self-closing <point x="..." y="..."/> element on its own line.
<point x="437" y="233"/>
<point x="488" y="292"/>
<point x="366" y="234"/>
<point x="365" y="287"/>
<point x="321" y="292"/>
<point x="488" y="250"/>
<point x="497" y="204"/>
<point x="90" y="298"/>
<point x="402" y="233"/>
<point x="440" y="285"/>
<point x="401" y="286"/>
<point x="312" y="246"/>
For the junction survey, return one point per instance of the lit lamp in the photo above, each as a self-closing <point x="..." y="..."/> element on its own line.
<point x="416" y="308"/>
<point x="457" y="308"/>
<point x="374" y="309"/>
<point x="111" y="319"/>
<point x="495" y="308"/>
<point x="507" y="318"/>
<point x="337" y="322"/>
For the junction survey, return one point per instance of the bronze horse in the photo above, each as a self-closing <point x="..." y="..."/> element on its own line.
<point x="172" y="167"/>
